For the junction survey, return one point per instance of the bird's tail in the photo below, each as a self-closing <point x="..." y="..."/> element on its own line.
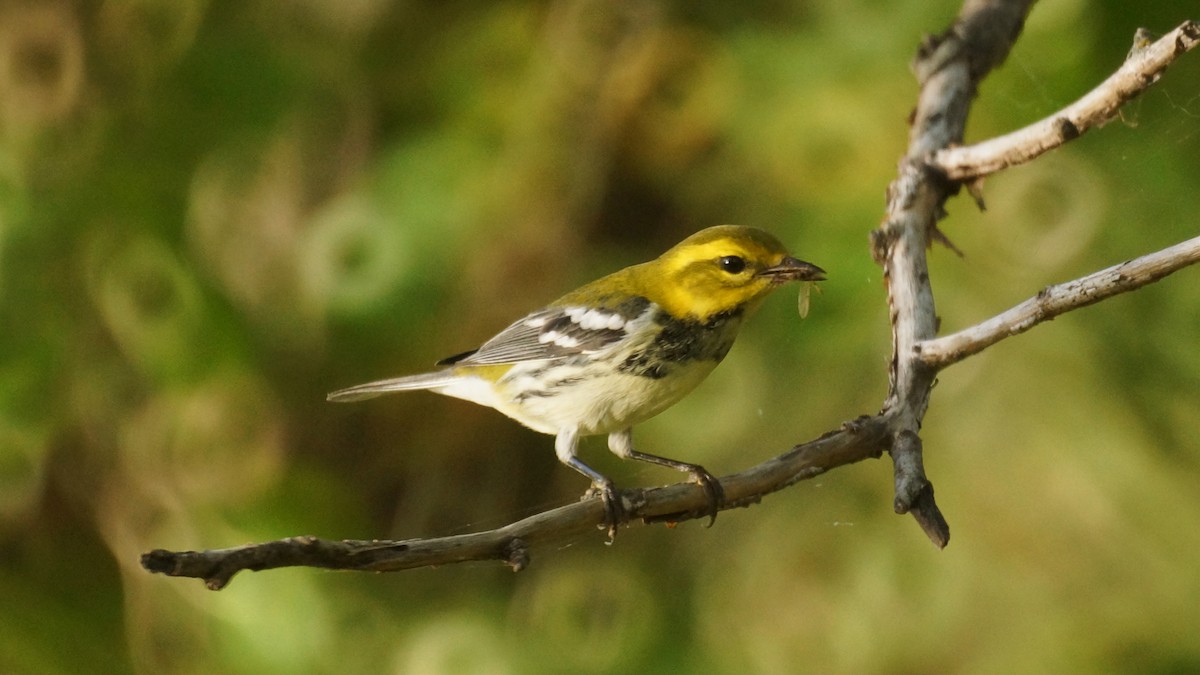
<point x="360" y="392"/>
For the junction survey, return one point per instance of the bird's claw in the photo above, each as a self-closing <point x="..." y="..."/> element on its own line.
<point x="614" y="512"/>
<point x="712" y="489"/>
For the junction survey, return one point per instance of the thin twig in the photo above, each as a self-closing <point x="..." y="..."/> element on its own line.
<point x="1058" y="299"/>
<point x="1143" y="67"/>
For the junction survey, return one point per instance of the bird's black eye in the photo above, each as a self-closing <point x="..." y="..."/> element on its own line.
<point x="732" y="263"/>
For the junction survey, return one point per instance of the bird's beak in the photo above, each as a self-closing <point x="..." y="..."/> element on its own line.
<point x="791" y="269"/>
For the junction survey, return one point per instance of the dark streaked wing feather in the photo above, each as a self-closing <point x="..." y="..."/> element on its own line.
<point x="451" y="360"/>
<point x="550" y="333"/>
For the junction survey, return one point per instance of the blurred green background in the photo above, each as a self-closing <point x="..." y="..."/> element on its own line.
<point x="214" y="212"/>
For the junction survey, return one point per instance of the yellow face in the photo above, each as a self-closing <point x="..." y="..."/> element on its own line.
<point x="724" y="268"/>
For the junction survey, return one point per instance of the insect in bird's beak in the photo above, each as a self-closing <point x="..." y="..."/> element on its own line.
<point x="791" y="269"/>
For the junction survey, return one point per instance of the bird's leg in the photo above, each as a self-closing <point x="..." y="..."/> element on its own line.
<point x="565" y="445"/>
<point x="621" y="444"/>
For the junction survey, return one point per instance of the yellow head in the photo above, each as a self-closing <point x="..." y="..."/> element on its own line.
<point x="720" y="269"/>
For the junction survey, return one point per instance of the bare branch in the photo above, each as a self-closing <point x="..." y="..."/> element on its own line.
<point x="1144" y="66"/>
<point x="948" y="68"/>
<point x="1054" y="300"/>
<point x="860" y="439"/>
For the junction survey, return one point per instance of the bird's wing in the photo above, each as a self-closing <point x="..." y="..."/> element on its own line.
<point x="557" y="332"/>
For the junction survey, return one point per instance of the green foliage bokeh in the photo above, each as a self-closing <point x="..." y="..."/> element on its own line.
<point x="212" y="213"/>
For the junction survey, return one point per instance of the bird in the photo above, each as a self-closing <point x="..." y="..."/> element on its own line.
<point x="619" y="350"/>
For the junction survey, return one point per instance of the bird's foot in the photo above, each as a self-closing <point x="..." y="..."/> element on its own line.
<point x="712" y="490"/>
<point x="614" y="512"/>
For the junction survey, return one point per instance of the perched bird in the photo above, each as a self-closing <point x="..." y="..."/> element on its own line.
<point x="620" y="349"/>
